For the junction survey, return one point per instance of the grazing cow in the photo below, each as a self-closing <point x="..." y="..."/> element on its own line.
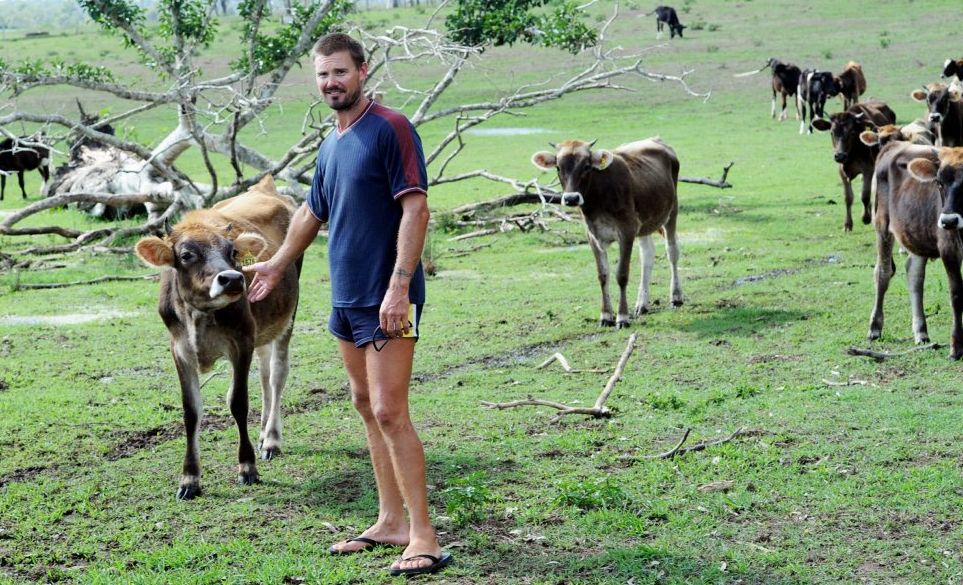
<point x="666" y="15"/>
<point x="916" y="132"/>
<point x="945" y="108"/>
<point x="203" y="303"/>
<point x="854" y="157"/>
<point x="851" y="84"/>
<point x="953" y="67"/>
<point x="909" y="207"/>
<point x="625" y="193"/>
<point x="815" y="87"/>
<point x="785" y="82"/>
<point x="21" y="155"/>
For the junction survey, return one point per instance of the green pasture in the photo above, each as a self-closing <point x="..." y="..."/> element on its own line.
<point x="849" y="470"/>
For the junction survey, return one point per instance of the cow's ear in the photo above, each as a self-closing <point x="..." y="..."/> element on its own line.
<point x="822" y="125"/>
<point x="954" y="95"/>
<point x="918" y="95"/>
<point x="154" y="251"/>
<point x="250" y="245"/>
<point x="922" y="169"/>
<point x="869" y="138"/>
<point x="601" y="159"/>
<point x="544" y="160"/>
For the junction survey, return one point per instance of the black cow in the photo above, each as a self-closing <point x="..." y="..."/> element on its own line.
<point x="815" y="87"/>
<point x="785" y="82"/>
<point x="953" y="67"/>
<point x="624" y="194"/>
<point x="667" y="15"/>
<point x="21" y="155"/>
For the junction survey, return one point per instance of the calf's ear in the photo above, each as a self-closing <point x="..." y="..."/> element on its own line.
<point x="601" y="159"/>
<point x="250" y="245"/>
<point x="955" y="95"/>
<point x="154" y="251"/>
<point x="869" y="138"/>
<point x="922" y="169"/>
<point x="822" y="125"/>
<point x="544" y="160"/>
<point x="918" y="95"/>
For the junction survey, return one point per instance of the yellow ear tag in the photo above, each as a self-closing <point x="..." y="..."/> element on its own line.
<point x="604" y="161"/>
<point x="248" y="258"/>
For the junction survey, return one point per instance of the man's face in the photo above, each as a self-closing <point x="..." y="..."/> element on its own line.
<point x="339" y="80"/>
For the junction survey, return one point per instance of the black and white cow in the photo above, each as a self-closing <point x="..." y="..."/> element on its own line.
<point x="815" y="87"/>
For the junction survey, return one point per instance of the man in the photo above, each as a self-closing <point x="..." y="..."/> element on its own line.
<point x="370" y="186"/>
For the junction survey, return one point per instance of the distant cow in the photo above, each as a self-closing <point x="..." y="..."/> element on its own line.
<point x="909" y="207"/>
<point x="815" y="87"/>
<point x="952" y="68"/>
<point x="945" y="109"/>
<point x="916" y="132"/>
<point x="854" y="157"/>
<point x="850" y="84"/>
<point x="785" y="82"/>
<point x="203" y="303"/>
<point x="26" y="153"/>
<point x="625" y="193"/>
<point x="666" y="15"/>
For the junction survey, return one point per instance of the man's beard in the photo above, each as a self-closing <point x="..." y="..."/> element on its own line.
<point x="346" y="102"/>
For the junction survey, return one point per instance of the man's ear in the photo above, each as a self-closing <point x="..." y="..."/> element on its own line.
<point x="544" y="160"/>
<point x="601" y="159"/>
<point x="250" y="245"/>
<point x="922" y="169"/>
<point x="154" y="251"/>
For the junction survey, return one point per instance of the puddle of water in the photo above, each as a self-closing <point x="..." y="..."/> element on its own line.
<point x="61" y="320"/>
<point x="506" y="131"/>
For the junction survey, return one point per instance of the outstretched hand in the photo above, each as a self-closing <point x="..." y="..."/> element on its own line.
<point x="266" y="277"/>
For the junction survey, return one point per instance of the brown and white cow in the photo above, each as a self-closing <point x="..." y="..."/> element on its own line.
<point x="944" y="106"/>
<point x="854" y="157"/>
<point x="916" y="132"/>
<point x="203" y="303"/>
<point x="625" y="193"/>
<point x="910" y="183"/>
<point x="851" y="84"/>
<point x="785" y="82"/>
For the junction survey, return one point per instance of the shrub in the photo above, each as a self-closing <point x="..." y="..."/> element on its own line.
<point x="467" y="498"/>
<point x="591" y="494"/>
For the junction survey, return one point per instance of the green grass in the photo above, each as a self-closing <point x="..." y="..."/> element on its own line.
<point x="846" y="484"/>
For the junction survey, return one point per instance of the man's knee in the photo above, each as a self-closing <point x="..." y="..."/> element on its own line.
<point x="391" y="417"/>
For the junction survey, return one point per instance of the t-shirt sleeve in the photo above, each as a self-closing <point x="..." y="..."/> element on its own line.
<point x="405" y="159"/>
<point x="317" y="202"/>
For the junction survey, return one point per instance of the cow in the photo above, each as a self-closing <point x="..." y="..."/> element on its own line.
<point x="916" y="132"/>
<point x="203" y="303"/>
<point x="851" y="84"/>
<point x="25" y="153"/>
<point x="911" y="181"/>
<point x="666" y="15"/>
<point x="815" y="87"/>
<point x="854" y="157"/>
<point x="785" y="82"/>
<point x="624" y="194"/>
<point x="953" y="67"/>
<point x="945" y="110"/>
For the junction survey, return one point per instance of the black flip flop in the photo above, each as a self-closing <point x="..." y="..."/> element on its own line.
<point x="369" y="543"/>
<point x="437" y="564"/>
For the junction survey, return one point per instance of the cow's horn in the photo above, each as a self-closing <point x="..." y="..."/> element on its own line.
<point x="591" y="144"/>
<point x="553" y="145"/>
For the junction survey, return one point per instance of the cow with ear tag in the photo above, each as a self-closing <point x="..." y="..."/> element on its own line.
<point x="625" y="193"/>
<point x="203" y="303"/>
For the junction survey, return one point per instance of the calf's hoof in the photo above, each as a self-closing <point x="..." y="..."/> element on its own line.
<point x="874" y="334"/>
<point x="922" y="338"/>
<point x="867" y="220"/>
<point x="641" y="310"/>
<point x="269" y="453"/>
<point x="188" y="492"/>
<point x="677" y="304"/>
<point x="623" y="324"/>
<point x="247" y="474"/>
<point x="606" y="323"/>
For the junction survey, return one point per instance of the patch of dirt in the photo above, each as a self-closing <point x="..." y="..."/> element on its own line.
<point x="765" y="276"/>
<point x="775" y="357"/>
<point x="21" y="475"/>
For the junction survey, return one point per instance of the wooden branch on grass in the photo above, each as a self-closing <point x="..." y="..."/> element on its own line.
<point x="720" y="184"/>
<point x="558" y="357"/>
<point x="679" y="450"/>
<point x="882" y="355"/>
<point x="98" y="280"/>
<point x="597" y="411"/>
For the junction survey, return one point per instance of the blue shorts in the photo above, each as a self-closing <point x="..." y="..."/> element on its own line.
<point x="358" y="324"/>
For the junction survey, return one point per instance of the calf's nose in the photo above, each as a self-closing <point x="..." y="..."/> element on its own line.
<point x="840" y="157"/>
<point x="572" y="199"/>
<point x="227" y="282"/>
<point x="950" y="221"/>
<point x="935" y="117"/>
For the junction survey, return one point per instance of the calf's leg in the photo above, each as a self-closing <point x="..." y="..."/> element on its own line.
<point x="951" y="262"/>
<point x="883" y="273"/>
<point x="237" y="401"/>
<point x="186" y="364"/>
<point x="626" y="240"/>
<point x="848" y="196"/>
<point x="20" y="182"/>
<point x="647" y="251"/>
<point x="273" y="365"/>
<point x="607" y="319"/>
<point x="915" y="277"/>
<point x="672" y="252"/>
<point x="866" y="196"/>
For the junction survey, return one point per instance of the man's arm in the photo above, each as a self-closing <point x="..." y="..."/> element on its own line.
<point x="411" y="242"/>
<point x="302" y="231"/>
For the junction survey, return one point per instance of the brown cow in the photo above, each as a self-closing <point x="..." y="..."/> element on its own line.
<point x="625" y="193"/>
<point x="945" y="111"/>
<point x="908" y="207"/>
<point x="916" y="132"/>
<point x="851" y="84"/>
<point x="203" y="303"/>
<point x="854" y="157"/>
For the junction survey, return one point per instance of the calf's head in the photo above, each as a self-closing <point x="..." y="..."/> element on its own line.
<point x="822" y="84"/>
<point x="953" y="67"/>
<point x="946" y="170"/>
<point x="844" y="128"/>
<point x="937" y="98"/>
<point x="206" y="259"/>
<point x="575" y="162"/>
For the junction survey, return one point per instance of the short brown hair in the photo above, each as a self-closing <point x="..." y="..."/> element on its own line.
<point x="335" y="43"/>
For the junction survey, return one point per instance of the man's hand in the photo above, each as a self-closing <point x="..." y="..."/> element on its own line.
<point x="266" y="277"/>
<point x="393" y="316"/>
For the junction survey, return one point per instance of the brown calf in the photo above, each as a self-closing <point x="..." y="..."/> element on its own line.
<point x="916" y="132"/>
<point x="785" y="82"/>
<point x="851" y="84"/>
<point x="624" y="194"/>
<point x="854" y="157"/>
<point x="909" y="208"/>
<point x="945" y="110"/>
<point x="205" y="308"/>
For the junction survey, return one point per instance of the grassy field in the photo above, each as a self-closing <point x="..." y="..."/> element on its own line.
<point x="850" y="469"/>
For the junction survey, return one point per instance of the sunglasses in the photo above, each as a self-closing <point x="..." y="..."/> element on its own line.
<point x="379" y="339"/>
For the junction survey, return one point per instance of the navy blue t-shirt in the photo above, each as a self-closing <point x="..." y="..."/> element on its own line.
<point x="361" y="173"/>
